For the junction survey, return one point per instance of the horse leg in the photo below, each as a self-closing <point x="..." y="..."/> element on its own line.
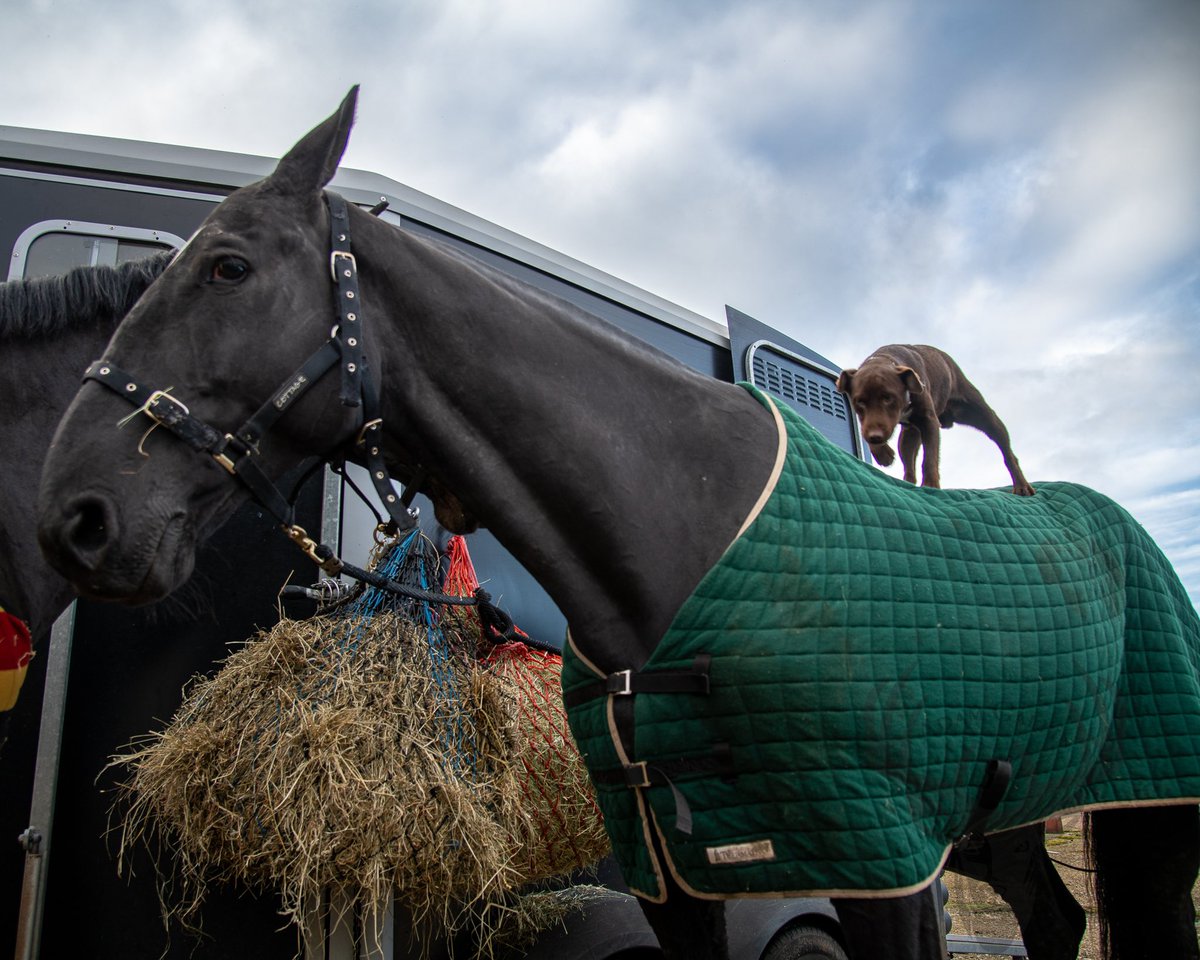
<point x="1014" y="863"/>
<point x="894" y="928"/>
<point x="687" y="928"/>
<point x="1146" y="861"/>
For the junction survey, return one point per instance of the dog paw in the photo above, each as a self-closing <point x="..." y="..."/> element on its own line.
<point x="1023" y="489"/>
<point x="884" y="455"/>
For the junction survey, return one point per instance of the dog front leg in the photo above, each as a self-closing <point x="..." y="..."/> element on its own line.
<point x="931" y="439"/>
<point x="883" y="453"/>
<point x="909" y="444"/>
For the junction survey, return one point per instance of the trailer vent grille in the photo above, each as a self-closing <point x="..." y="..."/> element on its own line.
<point x="793" y="385"/>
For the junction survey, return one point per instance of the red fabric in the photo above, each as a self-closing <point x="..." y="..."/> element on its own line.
<point x="15" y="653"/>
<point x="462" y="581"/>
<point x="16" y="649"/>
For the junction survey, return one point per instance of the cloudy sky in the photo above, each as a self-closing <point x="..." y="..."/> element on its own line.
<point x="1017" y="181"/>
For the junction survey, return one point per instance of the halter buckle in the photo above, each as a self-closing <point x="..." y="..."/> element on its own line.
<point x="224" y="459"/>
<point x="369" y="425"/>
<point x="333" y="259"/>
<point x="158" y="395"/>
<point x="152" y="401"/>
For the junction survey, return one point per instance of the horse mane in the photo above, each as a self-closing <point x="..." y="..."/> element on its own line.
<point x="47" y="306"/>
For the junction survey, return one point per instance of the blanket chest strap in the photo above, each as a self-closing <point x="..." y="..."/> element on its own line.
<point x="627" y="682"/>
<point x="658" y="773"/>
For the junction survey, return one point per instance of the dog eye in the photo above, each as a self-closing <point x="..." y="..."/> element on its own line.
<point x="230" y="270"/>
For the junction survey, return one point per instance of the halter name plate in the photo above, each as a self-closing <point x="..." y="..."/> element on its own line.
<point x="286" y="395"/>
<point x="750" y="852"/>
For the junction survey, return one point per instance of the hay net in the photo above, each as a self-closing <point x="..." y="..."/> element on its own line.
<point x="387" y="749"/>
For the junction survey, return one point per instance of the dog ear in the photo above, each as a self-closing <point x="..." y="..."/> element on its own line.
<point x="844" y="381"/>
<point x="912" y="380"/>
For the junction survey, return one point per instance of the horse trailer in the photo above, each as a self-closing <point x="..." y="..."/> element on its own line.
<point x="109" y="675"/>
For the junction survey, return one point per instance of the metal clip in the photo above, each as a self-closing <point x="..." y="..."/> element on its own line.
<point x="299" y="536"/>
<point x="333" y="258"/>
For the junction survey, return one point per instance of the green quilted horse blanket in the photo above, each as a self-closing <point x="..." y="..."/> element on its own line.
<point x="874" y="646"/>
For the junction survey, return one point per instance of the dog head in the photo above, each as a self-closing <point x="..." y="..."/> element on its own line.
<point x="881" y="392"/>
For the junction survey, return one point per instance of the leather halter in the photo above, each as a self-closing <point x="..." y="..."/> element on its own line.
<point x="237" y="451"/>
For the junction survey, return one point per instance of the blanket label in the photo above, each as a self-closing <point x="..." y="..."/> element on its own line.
<point x="741" y="852"/>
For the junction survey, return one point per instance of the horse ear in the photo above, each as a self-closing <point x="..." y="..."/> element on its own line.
<point x="312" y="162"/>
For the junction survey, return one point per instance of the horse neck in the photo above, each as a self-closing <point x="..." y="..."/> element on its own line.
<point x="38" y="377"/>
<point x="616" y="475"/>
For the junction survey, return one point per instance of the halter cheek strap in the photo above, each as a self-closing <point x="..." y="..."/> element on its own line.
<point x="237" y="451"/>
<point x="344" y="270"/>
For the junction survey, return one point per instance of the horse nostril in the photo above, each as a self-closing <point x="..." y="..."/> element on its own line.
<point x="88" y="530"/>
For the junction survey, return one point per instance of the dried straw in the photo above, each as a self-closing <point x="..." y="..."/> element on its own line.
<point x="336" y="756"/>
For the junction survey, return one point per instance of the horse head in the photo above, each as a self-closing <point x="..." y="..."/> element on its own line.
<point x="123" y="502"/>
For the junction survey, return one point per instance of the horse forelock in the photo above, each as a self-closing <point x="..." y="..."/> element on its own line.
<point x="47" y="306"/>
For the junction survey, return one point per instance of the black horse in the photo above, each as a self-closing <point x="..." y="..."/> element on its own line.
<point x="51" y="327"/>
<point x="617" y="476"/>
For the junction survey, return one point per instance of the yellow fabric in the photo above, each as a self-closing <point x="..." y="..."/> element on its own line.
<point x="10" y="687"/>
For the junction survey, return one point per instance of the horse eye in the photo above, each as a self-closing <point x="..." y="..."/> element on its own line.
<point x="230" y="270"/>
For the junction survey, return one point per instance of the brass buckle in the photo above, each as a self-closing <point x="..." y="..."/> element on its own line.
<point x="369" y="425"/>
<point x="333" y="258"/>
<point x="158" y="395"/>
<point x="224" y="460"/>
<point x="154" y="398"/>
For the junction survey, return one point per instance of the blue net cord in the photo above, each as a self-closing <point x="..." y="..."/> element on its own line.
<point x="413" y="560"/>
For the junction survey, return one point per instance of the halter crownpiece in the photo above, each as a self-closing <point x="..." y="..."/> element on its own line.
<point x="344" y="270"/>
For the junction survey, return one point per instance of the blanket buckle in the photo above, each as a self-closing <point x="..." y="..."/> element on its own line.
<point x="620" y="684"/>
<point x="637" y="774"/>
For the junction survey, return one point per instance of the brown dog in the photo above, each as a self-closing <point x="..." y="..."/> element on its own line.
<point x="922" y="389"/>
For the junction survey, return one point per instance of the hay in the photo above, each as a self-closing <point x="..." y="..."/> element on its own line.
<point x="369" y="756"/>
<point x="566" y="829"/>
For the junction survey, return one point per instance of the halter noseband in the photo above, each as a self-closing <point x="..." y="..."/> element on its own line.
<point x="236" y="451"/>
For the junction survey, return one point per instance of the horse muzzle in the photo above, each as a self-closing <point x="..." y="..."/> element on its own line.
<point x="106" y="559"/>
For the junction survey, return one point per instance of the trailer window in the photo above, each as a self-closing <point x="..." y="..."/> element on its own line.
<point x="53" y="247"/>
